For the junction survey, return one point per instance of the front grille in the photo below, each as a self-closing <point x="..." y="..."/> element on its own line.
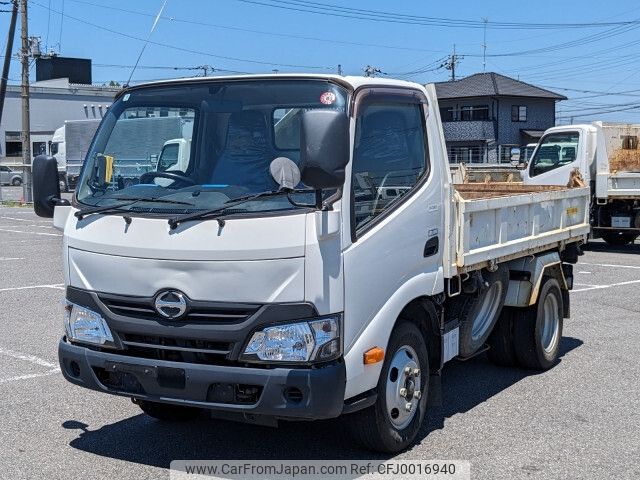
<point x="175" y="349"/>
<point x="197" y="311"/>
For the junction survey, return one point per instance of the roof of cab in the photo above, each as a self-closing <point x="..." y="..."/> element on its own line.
<point x="352" y="82"/>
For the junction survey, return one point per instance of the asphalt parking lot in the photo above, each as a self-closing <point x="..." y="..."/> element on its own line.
<point x="579" y="420"/>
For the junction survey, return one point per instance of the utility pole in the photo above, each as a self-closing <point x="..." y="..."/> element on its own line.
<point x="484" y="44"/>
<point x="452" y="62"/>
<point x="339" y="69"/>
<point x="26" y="123"/>
<point x="370" y="71"/>
<point x="7" y="56"/>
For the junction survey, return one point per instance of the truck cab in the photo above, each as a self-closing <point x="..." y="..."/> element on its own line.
<point x="174" y="155"/>
<point x="58" y="150"/>
<point x="603" y="156"/>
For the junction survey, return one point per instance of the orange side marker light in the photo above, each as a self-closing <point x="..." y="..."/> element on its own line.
<point x="373" y="355"/>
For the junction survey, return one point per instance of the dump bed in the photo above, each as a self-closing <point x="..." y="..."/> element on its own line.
<point x="503" y="221"/>
<point x="617" y="160"/>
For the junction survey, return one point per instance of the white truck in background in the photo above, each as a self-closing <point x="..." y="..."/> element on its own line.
<point x="607" y="157"/>
<point x="69" y="145"/>
<point x="261" y="284"/>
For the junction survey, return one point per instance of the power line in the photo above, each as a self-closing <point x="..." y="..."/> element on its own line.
<point x="259" y="32"/>
<point x="61" y="24"/>
<point x="188" y="50"/>
<point x="392" y="17"/>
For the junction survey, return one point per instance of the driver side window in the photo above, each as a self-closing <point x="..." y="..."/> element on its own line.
<point x="390" y="157"/>
<point x="555" y="150"/>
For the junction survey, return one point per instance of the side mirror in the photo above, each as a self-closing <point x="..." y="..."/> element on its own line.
<point x="515" y="156"/>
<point x="153" y="159"/>
<point x="46" y="187"/>
<point x="324" y="148"/>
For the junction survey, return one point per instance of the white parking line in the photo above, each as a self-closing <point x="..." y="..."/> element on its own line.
<point x="599" y="287"/>
<point x="32" y="233"/>
<point x="32" y="375"/>
<point x="24" y="219"/>
<point x="27" y="226"/>
<point x="27" y="358"/>
<point x="610" y="265"/>
<point x="8" y="259"/>
<point x="56" y="286"/>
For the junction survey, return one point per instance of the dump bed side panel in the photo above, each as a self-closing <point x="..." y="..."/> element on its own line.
<point x="618" y="161"/>
<point x="511" y="226"/>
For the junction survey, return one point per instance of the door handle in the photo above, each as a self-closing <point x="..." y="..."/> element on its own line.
<point x="432" y="246"/>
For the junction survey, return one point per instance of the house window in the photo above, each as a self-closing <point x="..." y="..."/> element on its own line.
<point x="474" y="113"/>
<point x="13" y="149"/>
<point x="518" y="113"/>
<point x="446" y="114"/>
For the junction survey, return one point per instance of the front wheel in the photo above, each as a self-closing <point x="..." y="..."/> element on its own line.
<point x="619" y="239"/>
<point x="16" y="182"/>
<point x="166" y="411"/>
<point x="392" y="423"/>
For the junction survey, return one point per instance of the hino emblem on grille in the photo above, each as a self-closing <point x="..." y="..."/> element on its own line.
<point x="171" y="304"/>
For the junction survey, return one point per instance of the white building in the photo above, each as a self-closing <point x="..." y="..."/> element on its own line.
<point x="52" y="102"/>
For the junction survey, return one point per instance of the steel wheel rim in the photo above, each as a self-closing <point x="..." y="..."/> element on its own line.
<point x="403" y="387"/>
<point x="551" y="323"/>
<point x="487" y="311"/>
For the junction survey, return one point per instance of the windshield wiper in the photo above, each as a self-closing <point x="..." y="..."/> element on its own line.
<point x="128" y="201"/>
<point x="216" y="213"/>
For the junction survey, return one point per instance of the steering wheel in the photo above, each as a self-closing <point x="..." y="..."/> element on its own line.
<point x="176" y="176"/>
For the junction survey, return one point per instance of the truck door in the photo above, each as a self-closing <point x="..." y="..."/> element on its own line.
<point x="395" y="250"/>
<point x="558" y="153"/>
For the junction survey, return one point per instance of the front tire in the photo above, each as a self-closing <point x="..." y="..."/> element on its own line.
<point x="16" y="182"/>
<point x="167" y="412"/>
<point x="618" y="239"/>
<point x="538" y="330"/>
<point x="393" y="422"/>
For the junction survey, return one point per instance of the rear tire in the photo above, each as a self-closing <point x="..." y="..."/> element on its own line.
<point x="387" y="426"/>
<point x="16" y="182"/>
<point x="619" y="239"/>
<point x="478" y="312"/>
<point x="167" y="412"/>
<point x="538" y="329"/>
<point x="501" y="351"/>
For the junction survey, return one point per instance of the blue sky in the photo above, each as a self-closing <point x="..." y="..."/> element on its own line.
<point x="592" y="65"/>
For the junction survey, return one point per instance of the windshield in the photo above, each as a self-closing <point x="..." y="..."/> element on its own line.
<point x="201" y="145"/>
<point x="555" y="150"/>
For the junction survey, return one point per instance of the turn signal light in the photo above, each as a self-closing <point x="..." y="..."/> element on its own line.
<point x="373" y="355"/>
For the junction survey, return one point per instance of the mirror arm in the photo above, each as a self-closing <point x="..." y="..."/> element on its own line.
<point x="59" y="202"/>
<point x="328" y="203"/>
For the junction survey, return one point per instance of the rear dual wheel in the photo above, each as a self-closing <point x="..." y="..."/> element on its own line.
<point x="530" y="337"/>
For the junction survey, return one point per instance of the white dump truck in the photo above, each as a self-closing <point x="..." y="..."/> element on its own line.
<point x="275" y="277"/>
<point x="69" y="145"/>
<point x="607" y="157"/>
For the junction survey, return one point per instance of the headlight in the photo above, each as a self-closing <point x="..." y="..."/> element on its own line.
<point x="313" y="340"/>
<point x="84" y="325"/>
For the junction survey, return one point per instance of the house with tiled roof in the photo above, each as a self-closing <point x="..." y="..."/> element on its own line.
<point x="485" y="115"/>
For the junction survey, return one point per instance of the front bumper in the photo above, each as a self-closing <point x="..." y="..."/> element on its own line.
<point x="287" y="393"/>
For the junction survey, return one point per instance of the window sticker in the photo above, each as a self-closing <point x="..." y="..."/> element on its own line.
<point x="328" y="98"/>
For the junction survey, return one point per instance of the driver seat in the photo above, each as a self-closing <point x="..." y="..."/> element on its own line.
<point x="247" y="154"/>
